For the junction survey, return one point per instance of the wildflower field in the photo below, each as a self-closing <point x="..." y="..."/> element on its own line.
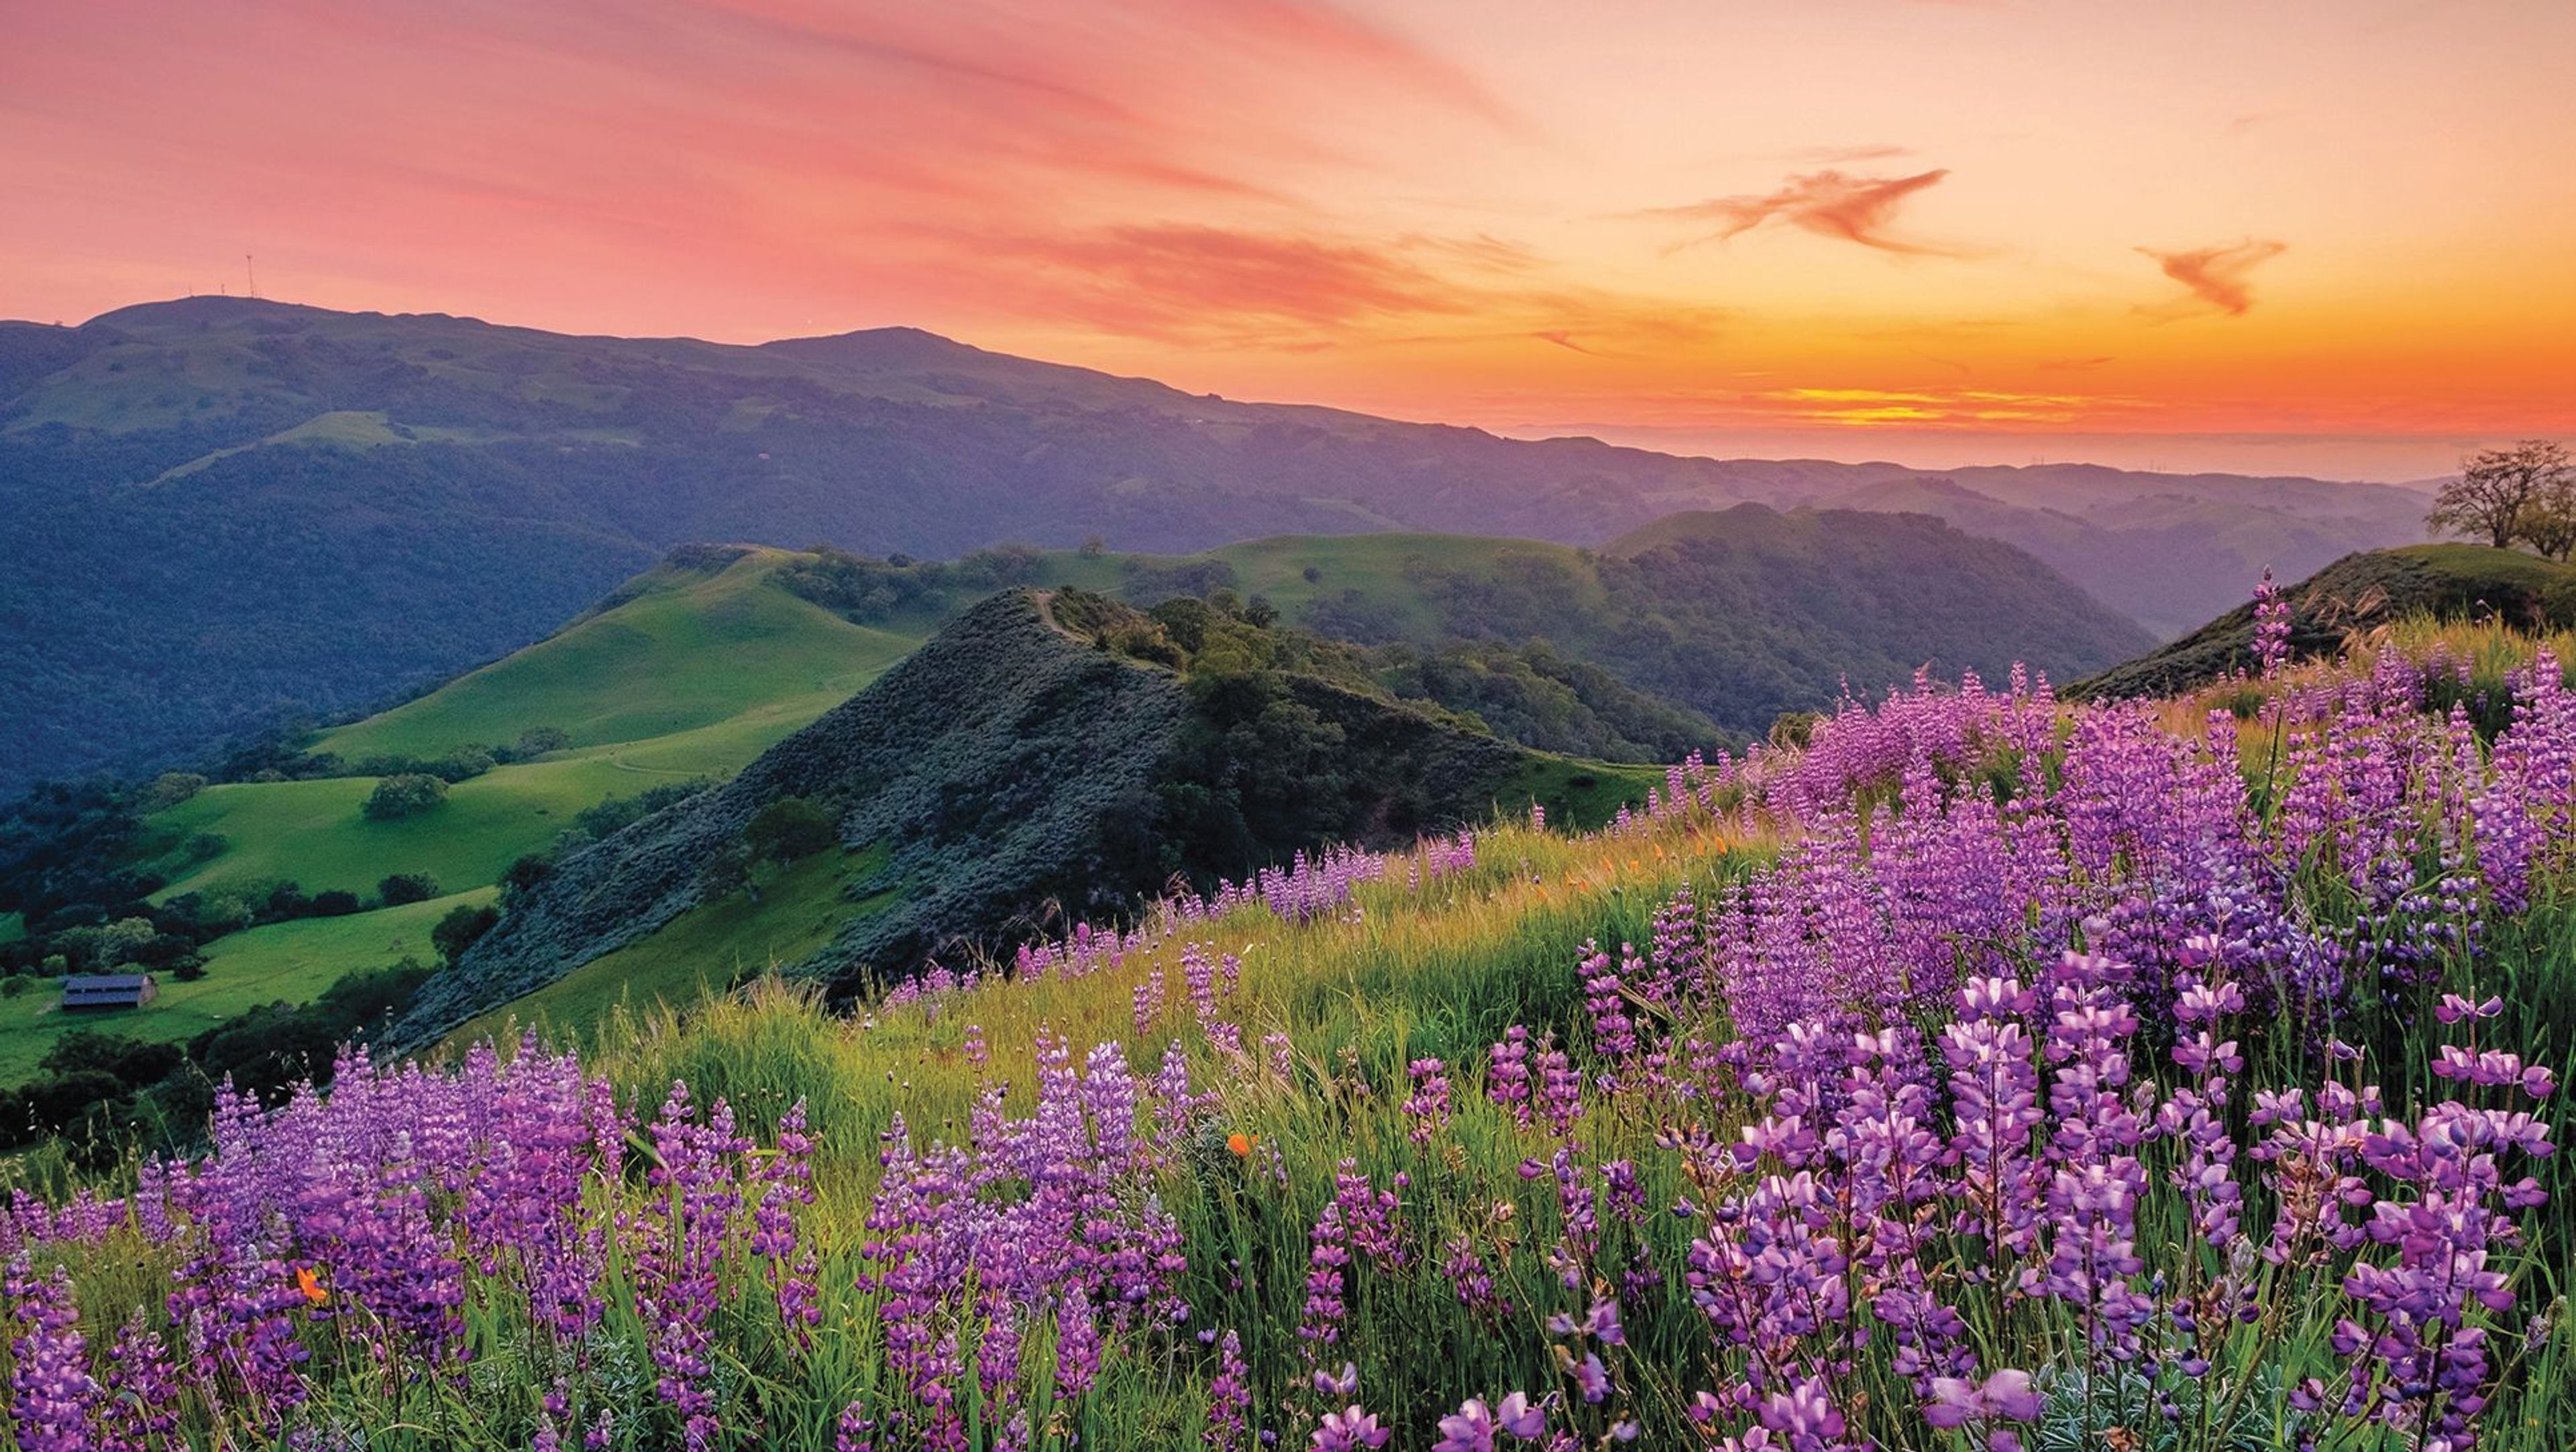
<point x="1988" y="1072"/>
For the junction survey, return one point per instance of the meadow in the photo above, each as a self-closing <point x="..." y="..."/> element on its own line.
<point x="277" y="963"/>
<point x="1986" y="1072"/>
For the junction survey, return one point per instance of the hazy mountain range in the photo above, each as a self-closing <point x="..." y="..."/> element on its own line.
<point x="221" y="510"/>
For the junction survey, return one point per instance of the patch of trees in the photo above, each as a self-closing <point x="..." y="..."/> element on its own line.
<point x="2524" y="495"/>
<point x="787" y="830"/>
<point x="1541" y="698"/>
<point x="406" y="887"/>
<point x="408" y="795"/>
<point x="463" y="927"/>
<point x="872" y="591"/>
<point x="608" y="818"/>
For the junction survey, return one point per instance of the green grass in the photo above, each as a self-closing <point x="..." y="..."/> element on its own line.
<point x="690" y="651"/>
<point x="2489" y="566"/>
<point x="706" y="950"/>
<point x="1578" y="794"/>
<point x="694" y="675"/>
<point x="13" y="926"/>
<point x="1372" y="564"/>
<point x="283" y="962"/>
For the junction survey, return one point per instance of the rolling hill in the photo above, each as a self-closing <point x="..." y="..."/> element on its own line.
<point x="238" y="512"/>
<point x="2167" y="559"/>
<point x="2359" y="593"/>
<point x="1047" y="756"/>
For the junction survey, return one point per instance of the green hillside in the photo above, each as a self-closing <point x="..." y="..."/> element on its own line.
<point x="685" y="646"/>
<point x="2360" y="593"/>
<point x="689" y="671"/>
<point x="1739" y="614"/>
<point x="1046" y="752"/>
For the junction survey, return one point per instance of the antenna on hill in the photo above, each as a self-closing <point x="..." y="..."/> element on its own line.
<point x="249" y="277"/>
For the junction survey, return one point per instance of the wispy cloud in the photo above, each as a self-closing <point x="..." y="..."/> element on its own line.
<point x="1846" y="155"/>
<point x="1828" y="203"/>
<point x="1292" y="290"/>
<point x="1186" y="280"/>
<point x="2215" y="275"/>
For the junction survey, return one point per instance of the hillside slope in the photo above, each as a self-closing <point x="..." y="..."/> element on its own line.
<point x="1016" y="767"/>
<point x="1737" y="614"/>
<point x="2358" y="592"/>
<point x="2165" y="559"/>
<point x="248" y="510"/>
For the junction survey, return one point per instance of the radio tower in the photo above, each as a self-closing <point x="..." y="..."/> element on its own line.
<point x="250" y="277"/>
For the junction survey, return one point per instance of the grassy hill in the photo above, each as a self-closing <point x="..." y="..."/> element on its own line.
<point x="249" y="512"/>
<point x="2360" y="593"/>
<point x="1046" y="753"/>
<point x="1565" y="1110"/>
<point x="689" y="671"/>
<point x="1738" y="614"/>
<point x="701" y="664"/>
<point x="693" y="643"/>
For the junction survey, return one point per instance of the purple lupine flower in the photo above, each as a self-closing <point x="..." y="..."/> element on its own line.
<point x="784" y="1181"/>
<point x="1348" y="1430"/>
<point x="53" y="1401"/>
<point x="1426" y="1109"/>
<point x="1229" y="1399"/>
<point x="1469" y="1429"/>
<point x="2005" y="1394"/>
<point x="1521" y="1417"/>
<point x="1507" y="1073"/>
<point x="2271" y="624"/>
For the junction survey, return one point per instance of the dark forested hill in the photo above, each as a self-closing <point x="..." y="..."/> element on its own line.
<point x="217" y="511"/>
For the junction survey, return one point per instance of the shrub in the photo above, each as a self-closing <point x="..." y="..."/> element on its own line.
<point x="521" y="877"/>
<point x="790" y="828"/>
<point x="403" y="887"/>
<point x="462" y="928"/>
<point x="335" y="903"/>
<point x="538" y="740"/>
<point x="463" y="764"/>
<point x="169" y="789"/>
<point x="407" y="795"/>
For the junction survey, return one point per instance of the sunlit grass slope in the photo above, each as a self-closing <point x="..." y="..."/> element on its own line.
<point x="687" y="673"/>
<point x="680" y="650"/>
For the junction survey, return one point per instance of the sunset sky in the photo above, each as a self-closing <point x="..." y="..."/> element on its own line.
<point x="2331" y="237"/>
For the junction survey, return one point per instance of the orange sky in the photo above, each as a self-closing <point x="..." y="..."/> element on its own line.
<point x="2329" y="237"/>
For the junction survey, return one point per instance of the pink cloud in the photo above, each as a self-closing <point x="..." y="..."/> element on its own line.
<point x="2217" y="275"/>
<point x="1828" y="203"/>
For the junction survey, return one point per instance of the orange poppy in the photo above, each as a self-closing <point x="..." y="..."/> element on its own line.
<point x="309" y="1281"/>
<point x="1241" y="1144"/>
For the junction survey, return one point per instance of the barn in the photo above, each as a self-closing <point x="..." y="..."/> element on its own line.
<point x="108" y="990"/>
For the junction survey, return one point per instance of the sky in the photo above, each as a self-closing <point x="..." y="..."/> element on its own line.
<point x="2307" y="236"/>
